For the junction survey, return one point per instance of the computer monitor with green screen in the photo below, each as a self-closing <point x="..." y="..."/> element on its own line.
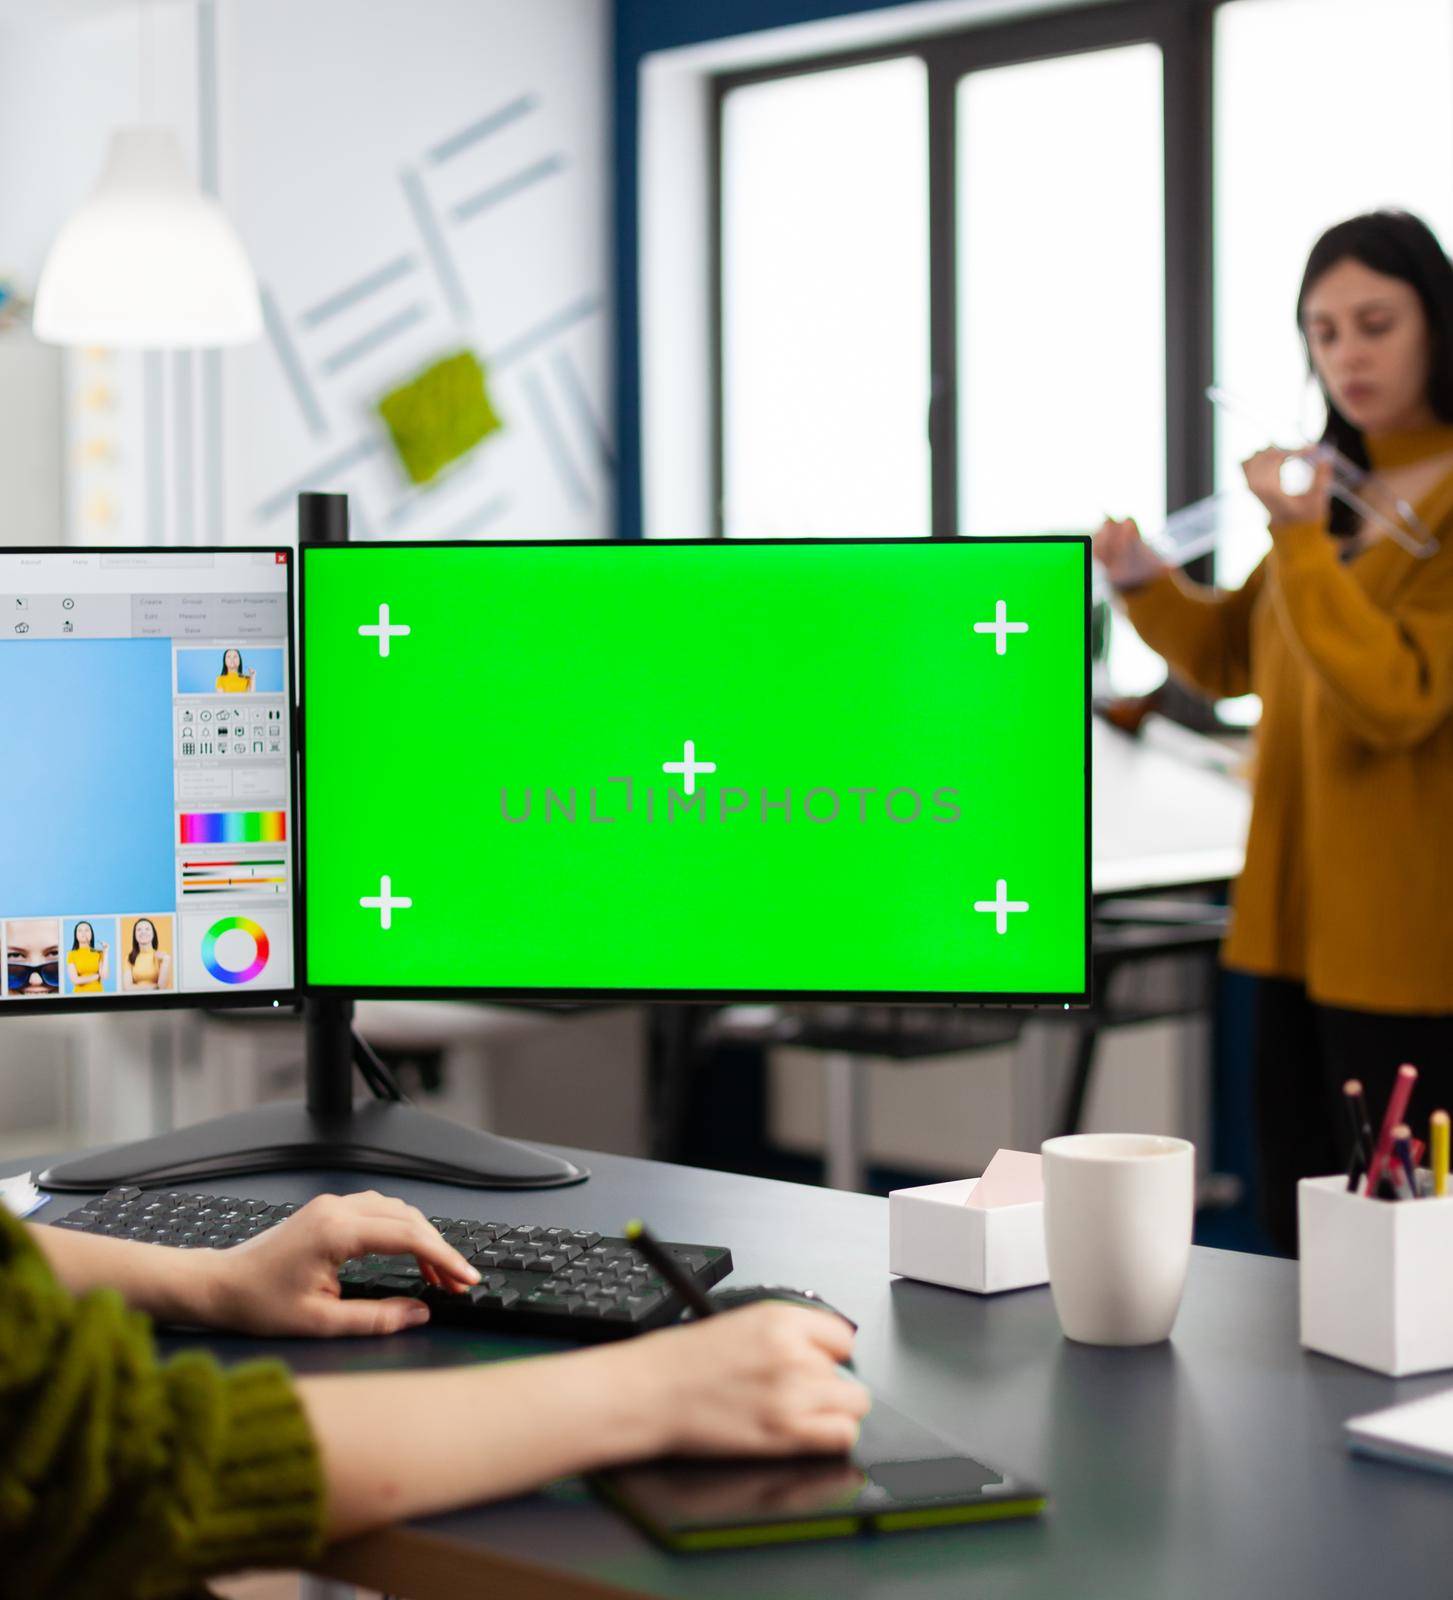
<point x="680" y="770"/>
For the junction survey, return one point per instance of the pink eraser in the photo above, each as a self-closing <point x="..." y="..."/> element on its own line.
<point x="1012" y="1178"/>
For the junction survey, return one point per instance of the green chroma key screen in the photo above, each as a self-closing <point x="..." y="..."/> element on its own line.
<point x="813" y="768"/>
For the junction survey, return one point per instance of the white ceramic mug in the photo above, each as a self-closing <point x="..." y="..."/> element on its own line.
<point x="1117" y="1230"/>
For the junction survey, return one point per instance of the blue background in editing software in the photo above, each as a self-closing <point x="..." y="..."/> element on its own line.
<point x="86" y="771"/>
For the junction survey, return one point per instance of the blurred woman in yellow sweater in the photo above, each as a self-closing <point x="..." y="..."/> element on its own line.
<point x="1345" y="906"/>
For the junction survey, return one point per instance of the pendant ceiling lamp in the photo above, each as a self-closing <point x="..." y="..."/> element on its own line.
<point x="149" y="261"/>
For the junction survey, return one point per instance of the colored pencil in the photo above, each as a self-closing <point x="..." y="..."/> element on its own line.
<point x="1357" y="1116"/>
<point x="1397" y="1110"/>
<point x="1405" y="1174"/>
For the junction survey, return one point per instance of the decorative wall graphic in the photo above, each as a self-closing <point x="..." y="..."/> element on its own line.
<point x="351" y="294"/>
<point x="370" y="341"/>
<point x="550" y="426"/>
<point x="567" y="376"/>
<point x="507" y="187"/>
<point x="456" y="143"/>
<point x="291" y="363"/>
<point x="542" y="333"/>
<point x="432" y="279"/>
<point x="433" y="240"/>
<point x="441" y="415"/>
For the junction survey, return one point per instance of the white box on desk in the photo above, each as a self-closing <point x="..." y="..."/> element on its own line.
<point x="934" y="1236"/>
<point x="1376" y="1278"/>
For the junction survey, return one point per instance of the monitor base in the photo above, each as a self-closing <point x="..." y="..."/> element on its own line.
<point x="375" y="1136"/>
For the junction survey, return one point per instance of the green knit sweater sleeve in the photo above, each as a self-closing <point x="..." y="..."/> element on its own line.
<point x="125" y="1476"/>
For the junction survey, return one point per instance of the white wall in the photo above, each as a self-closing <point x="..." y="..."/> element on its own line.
<point x="67" y="77"/>
<point x="31" y="433"/>
<point x="350" y="137"/>
<point x="316" y="120"/>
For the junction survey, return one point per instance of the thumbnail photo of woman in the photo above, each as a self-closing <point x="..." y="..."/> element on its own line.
<point x="234" y="677"/>
<point x="32" y="958"/>
<point x="204" y="670"/>
<point x="88" y="961"/>
<point x="148" y="964"/>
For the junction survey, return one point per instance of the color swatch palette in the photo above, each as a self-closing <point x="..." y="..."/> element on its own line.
<point x="232" y="827"/>
<point x="248" y="966"/>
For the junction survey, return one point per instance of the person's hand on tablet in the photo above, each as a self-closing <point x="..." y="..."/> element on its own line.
<point x="764" y="1380"/>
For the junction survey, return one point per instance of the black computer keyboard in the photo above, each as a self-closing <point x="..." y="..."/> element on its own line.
<point x="568" y="1283"/>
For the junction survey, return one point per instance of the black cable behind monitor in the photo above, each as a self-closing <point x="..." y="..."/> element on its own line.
<point x="383" y="1136"/>
<point x="376" y="1072"/>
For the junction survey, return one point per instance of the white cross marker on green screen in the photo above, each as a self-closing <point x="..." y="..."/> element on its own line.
<point x="1001" y="905"/>
<point x="383" y="630"/>
<point x="1000" y="627"/>
<point x="689" y="766"/>
<point x="385" y="902"/>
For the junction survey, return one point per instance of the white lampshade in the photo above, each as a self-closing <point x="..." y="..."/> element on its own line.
<point x="148" y="261"/>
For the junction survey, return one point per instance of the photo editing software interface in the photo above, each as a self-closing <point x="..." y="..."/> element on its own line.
<point x="814" y="769"/>
<point x="146" y="760"/>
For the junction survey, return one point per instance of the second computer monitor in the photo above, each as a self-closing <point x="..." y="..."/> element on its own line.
<point x="697" y="770"/>
<point x="146" y="758"/>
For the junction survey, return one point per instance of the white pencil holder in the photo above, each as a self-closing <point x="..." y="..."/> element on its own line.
<point x="934" y="1236"/>
<point x="1376" y="1278"/>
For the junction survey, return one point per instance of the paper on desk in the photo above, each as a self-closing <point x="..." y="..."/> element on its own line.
<point x="20" y="1196"/>
<point x="1418" y="1433"/>
<point x="1012" y="1178"/>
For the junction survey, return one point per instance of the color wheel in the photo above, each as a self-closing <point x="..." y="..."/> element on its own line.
<point x="210" y="958"/>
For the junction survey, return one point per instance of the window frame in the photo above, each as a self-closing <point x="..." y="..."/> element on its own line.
<point x="1183" y="31"/>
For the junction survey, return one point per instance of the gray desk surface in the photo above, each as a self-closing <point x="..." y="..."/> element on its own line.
<point x="1211" y="1465"/>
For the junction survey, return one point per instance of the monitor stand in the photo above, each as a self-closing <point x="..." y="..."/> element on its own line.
<point x="330" y="1129"/>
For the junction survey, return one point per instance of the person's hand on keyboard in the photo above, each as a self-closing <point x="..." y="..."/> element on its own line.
<point x="761" y="1381"/>
<point x="285" y="1280"/>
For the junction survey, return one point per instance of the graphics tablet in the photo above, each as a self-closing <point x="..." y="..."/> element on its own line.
<point x="899" y="1477"/>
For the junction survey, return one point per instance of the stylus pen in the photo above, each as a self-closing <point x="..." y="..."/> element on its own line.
<point x="1357" y="1116"/>
<point x="649" y="1247"/>
<point x="1397" y="1109"/>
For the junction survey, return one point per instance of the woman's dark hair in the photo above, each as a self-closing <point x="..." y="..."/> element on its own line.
<point x="231" y="650"/>
<point x="1398" y="245"/>
<point x="136" y="944"/>
<point x="76" y="935"/>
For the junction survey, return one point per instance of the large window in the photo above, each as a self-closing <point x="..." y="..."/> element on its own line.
<point x="980" y="282"/>
<point x="825" y="304"/>
<point x="1365" y="120"/>
<point x="1045" y="317"/>
<point x="1050" y="310"/>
